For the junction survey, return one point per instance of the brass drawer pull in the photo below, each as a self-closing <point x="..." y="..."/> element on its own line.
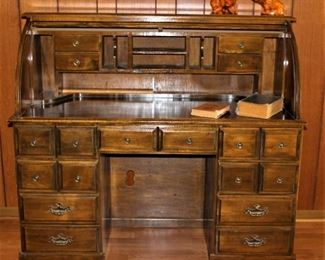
<point x="58" y="209"/>
<point x="75" y="43"/>
<point x="33" y="143"/>
<point x="281" y="145"/>
<point x="238" y="180"/>
<point x="189" y="141"/>
<point x="279" y="180"/>
<point x="241" y="45"/>
<point x="75" y="143"/>
<point x="36" y="178"/>
<point x="77" y="179"/>
<point x="60" y="240"/>
<point x="127" y="140"/>
<point x="240" y="64"/>
<point x="257" y="211"/>
<point x="254" y="241"/>
<point x="240" y="146"/>
<point x="76" y="63"/>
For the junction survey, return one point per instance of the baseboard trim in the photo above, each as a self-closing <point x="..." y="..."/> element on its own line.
<point x="302" y="215"/>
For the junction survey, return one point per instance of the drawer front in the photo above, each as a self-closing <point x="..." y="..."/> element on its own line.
<point x="78" y="176"/>
<point x="59" y="208"/>
<point x="153" y="43"/>
<point x="61" y="239"/>
<point x="119" y="140"/>
<point x="77" y="61"/>
<point x="36" y="175"/>
<point x="240" y="143"/>
<point x="77" y="141"/>
<point x="158" y="61"/>
<point x="239" y="63"/>
<point x="279" y="178"/>
<point x="240" y="44"/>
<point x="255" y="240"/>
<point x="180" y="140"/>
<point x="238" y="177"/>
<point x="281" y="143"/>
<point x="76" y="42"/>
<point x="35" y="140"/>
<point x="257" y="210"/>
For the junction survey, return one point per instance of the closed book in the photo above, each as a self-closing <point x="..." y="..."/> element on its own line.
<point x="213" y="110"/>
<point x="259" y="106"/>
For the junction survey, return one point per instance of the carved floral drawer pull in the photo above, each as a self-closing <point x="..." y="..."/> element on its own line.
<point x="281" y="145"/>
<point x="75" y="43"/>
<point x="189" y="141"/>
<point x="254" y="241"/>
<point x="35" y="178"/>
<point x="58" y="209"/>
<point x="77" y="179"/>
<point x="33" y="143"/>
<point x="241" y="45"/>
<point x="240" y="146"/>
<point x="60" y="240"/>
<point x="238" y="180"/>
<point x="76" y="63"/>
<point x="127" y="140"/>
<point x="75" y="143"/>
<point x="257" y="211"/>
<point x="279" y="180"/>
<point x="240" y="64"/>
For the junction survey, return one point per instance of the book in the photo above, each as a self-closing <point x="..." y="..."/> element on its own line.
<point x="259" y="106"/>
<point x="213" y="110"/>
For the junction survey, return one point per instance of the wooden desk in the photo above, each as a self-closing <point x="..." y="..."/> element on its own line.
<point x="104" y="136"/>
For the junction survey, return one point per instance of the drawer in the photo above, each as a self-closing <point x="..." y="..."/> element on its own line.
<point x="256" y="209"/>
<point x="59" y="208"/>
<point x="34" y="140"/>
<point x="239" y="63"/>
<point x="126" y="140"/>
<point x="189" y="140"/>
<point x="76" y="42"/>
<point x="76" y="141"/>
<point x="239" y="143"/>
<point x="77" y="61"/>
<point x="158" y="61"/>
<point x="238" y="177"/>
<point x="281" y="143"/>
<point x="78" y="175"/>
<point x="279" y="178"/>
<point x="153" y="43"/>
<point x="255" y="240"/>
<point x="60" y="238"/>
<point x="36" y="175"/>
<point x="240" y="44"/>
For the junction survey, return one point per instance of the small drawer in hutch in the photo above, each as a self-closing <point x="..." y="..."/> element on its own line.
<point x="189" y="140"/>
<point x="76" y="141"/>
<point x="33" y="140"/>
<point x="77" y="61"/>
<point x="279" y="178"/>
<point x="36" y="175"/>
<point x="240" y="44"/>
<point x="239" y="143"/>
<point x="254" y="240"/>
<point x="281" y="143"/>
<point x="78" y="175"/>
<point x="73" y="42"/>
<point x="47" y="238"/>
<point x="239" y="63"/>
<point x="253" y="209"/>
<point x="59" y="208"/>
<point x="238" y="177"/>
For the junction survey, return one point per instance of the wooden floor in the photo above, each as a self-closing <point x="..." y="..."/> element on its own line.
<point x="168" y="244"/>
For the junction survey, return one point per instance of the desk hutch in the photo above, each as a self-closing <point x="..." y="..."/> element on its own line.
<point x="104" y="137"/>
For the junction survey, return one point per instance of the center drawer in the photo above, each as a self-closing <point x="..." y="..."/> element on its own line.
<point x="60" y="238"/>
<point x="189" y="140"/>
<point x="253" y="209"/>
<point x="59" y="208"/>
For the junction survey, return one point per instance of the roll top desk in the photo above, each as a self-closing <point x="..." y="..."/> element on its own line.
<point x="104" y="136"/>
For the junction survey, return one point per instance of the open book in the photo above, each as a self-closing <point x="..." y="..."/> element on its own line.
<point x="259" y="106"/>
<point x="213" y="110"/>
